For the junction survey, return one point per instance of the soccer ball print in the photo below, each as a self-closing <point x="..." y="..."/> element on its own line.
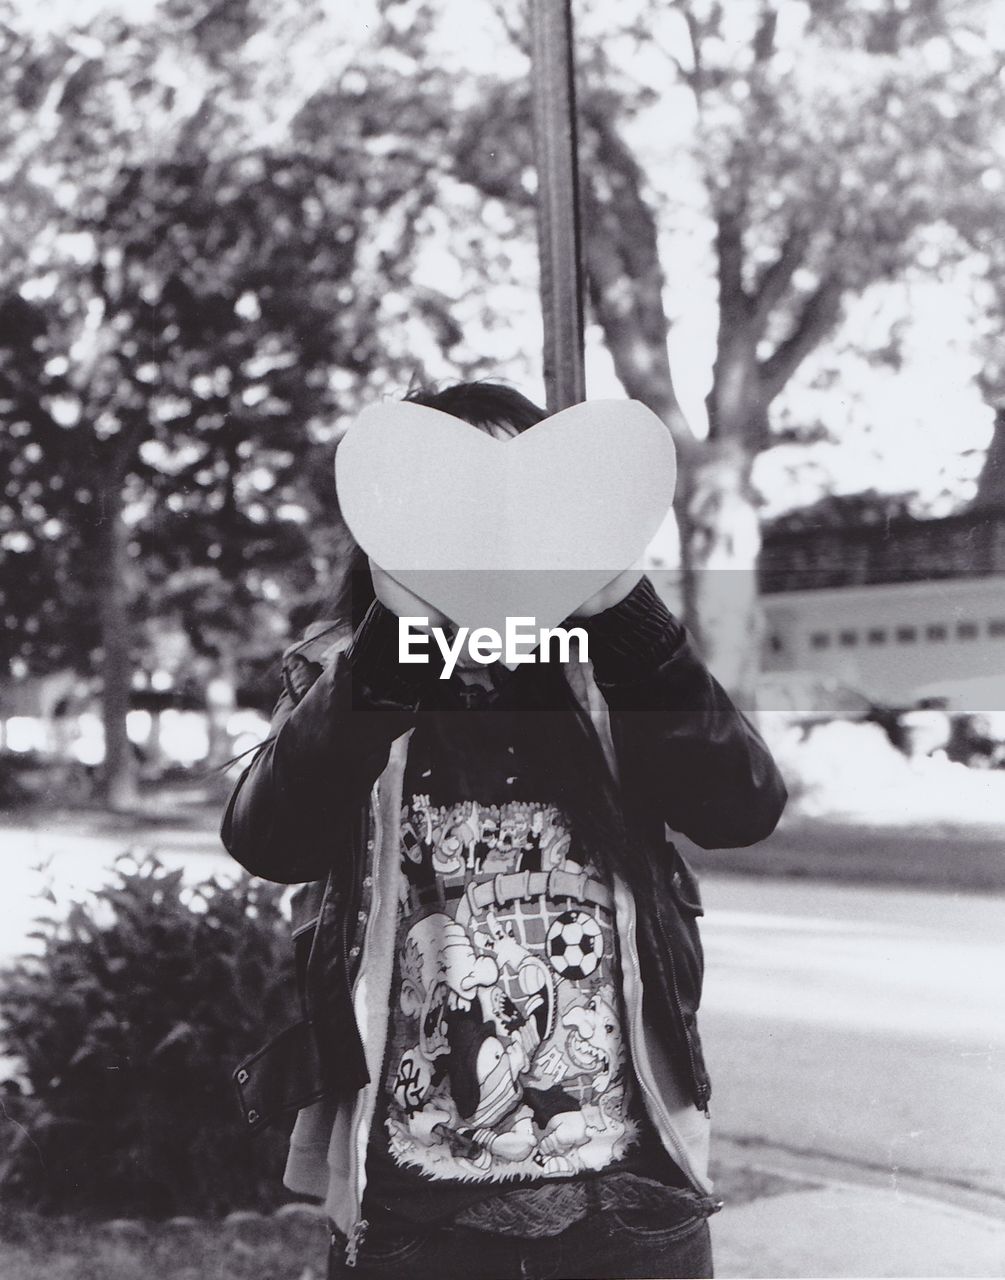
<point x="575" y="945"/>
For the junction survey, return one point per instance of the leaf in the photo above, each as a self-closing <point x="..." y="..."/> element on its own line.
<point x="181" y="1033"/>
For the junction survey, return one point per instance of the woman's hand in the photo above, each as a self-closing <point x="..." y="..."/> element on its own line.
<point x="610" y="595"/>
<point x="406" y="604"/>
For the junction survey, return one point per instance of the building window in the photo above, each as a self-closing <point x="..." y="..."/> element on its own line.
<point x="936" y="631"/>
<point x="848" y="639"/>
<point x="907" y="635"/>
<point x="996" y="627"/>
<point x="820" y="640"/>
<point x="775" y="643"/>
<point x="966" y="631"/>
<point x="876" y="636"/>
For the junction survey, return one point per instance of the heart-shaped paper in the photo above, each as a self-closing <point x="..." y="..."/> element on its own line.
<point x="485" y="529"/>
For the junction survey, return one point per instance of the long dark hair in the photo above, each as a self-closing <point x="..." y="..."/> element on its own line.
<point x="482" y="404"/>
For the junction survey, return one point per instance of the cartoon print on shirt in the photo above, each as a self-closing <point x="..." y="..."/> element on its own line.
<point x="449" y="989"/>
<point x="505" y="1058"/>
<point x="441" y="975"/>
<point x="595" y="1046"/>
<point x="594" y="1043"/>
<point x="448" y="853"/>
<point x="467" y="837"/>
<point x="530" y="858"/>
<point x="417" y="848"/>
<point x="574" y="944"/>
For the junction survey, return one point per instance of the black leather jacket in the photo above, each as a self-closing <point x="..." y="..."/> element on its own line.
<point x="687" y="760"/>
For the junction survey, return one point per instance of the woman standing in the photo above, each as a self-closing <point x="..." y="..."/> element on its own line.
<point x="500" y="1067"/>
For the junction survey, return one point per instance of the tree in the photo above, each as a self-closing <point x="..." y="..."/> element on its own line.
<point x="813" y="144"/>
<point x="991" y="379"/>
<point x="823" y="138"/>
<point x="991" y="484"/>
<point x="181" y="333"/>
<point x="823" y="157"/>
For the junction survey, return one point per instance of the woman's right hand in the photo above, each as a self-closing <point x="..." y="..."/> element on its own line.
<point x="406" y="604"/>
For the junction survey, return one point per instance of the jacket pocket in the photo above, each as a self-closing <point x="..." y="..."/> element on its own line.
<point x="681" y="909"/>
<point x="679" y="962"/>
<point x="685" y="883"/>
<point x="283" y="1076"/>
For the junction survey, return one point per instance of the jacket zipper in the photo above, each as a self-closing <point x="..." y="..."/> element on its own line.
<point x="353" y="899"/>
<point x="640" y="1051"/>
<point x="357" y="1168"/>
<point x="356" y="1238"/>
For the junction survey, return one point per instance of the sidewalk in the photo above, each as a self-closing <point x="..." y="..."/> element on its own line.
<point x="848" y="1231"/>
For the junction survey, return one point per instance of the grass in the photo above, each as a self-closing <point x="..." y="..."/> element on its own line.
<point x="287" y="1247"/>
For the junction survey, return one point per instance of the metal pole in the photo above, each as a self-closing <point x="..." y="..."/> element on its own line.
<point x="558" y="221"/>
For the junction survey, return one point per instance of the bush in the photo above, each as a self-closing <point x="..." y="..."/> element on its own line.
<point x="126" y="1028"/>
<point x="28" y="778"/>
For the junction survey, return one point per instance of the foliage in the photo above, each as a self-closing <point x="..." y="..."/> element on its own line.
<point x="250" y="216"/>
<point x="195" y="287"/>
<point x="778" y="158"/>
<point x="804" y="151"/>
<point x="846" y="511"/>
<point x="177" y="371"/>
<point x="126" y="1028"/>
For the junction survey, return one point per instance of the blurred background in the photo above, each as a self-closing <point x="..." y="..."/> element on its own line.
<point x="227" y="225"/>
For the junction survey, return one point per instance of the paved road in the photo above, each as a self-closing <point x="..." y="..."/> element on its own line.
<point x="862" y="1023"/>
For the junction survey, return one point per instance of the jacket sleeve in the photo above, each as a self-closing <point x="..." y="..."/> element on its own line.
<point x="682" y="746"/>
<point x="298" y="801"/>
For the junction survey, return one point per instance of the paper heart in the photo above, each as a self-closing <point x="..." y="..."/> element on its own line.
<point x="530" y="526"/>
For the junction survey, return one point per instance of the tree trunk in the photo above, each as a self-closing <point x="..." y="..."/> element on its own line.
<point x="720" y="544"/>
<point x="221" y="702"/>
<point x="118" y="774"/>
<point x="716" y="515"/>
<point x="625" y="277"/>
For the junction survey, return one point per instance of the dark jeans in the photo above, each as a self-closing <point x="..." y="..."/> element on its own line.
<point x="604" y="1246"/>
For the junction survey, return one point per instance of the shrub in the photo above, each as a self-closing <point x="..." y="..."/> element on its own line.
<point x="126" y="1028"/>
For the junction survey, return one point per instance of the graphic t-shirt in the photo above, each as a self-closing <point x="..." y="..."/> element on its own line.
<point x="507" y="1060"/>
<point x="506" y="1056"/>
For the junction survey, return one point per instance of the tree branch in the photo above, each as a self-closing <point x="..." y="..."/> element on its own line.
<point x="696" y="78"/>
<point x="778" y="276"/>
<point x="624" y="273"/>
<point x="763" y="43"/>
<point x="819" y="315"/>
<point x="734" y="303"/>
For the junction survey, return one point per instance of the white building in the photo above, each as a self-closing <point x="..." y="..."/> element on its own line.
<point x="900" y="609"/>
